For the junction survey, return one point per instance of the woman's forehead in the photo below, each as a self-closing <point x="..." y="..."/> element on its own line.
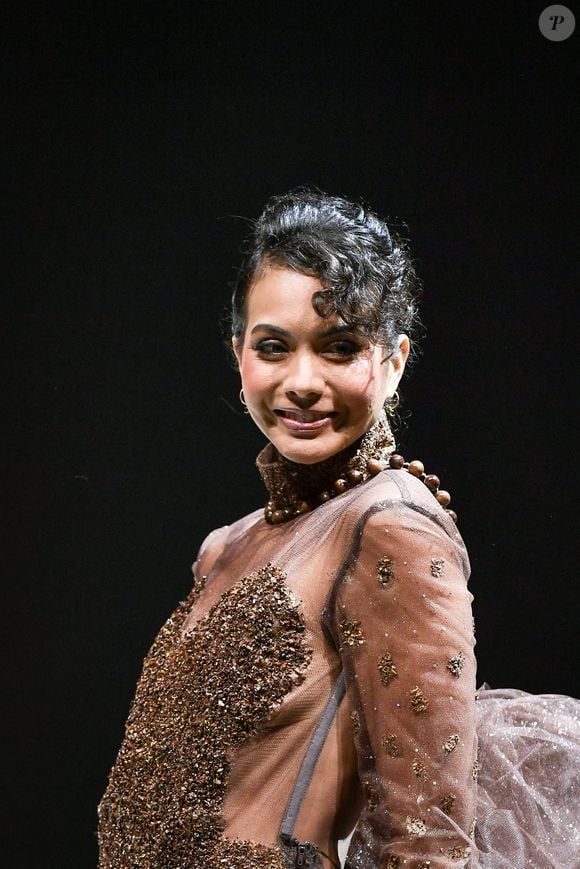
<point x="282" y="293"/>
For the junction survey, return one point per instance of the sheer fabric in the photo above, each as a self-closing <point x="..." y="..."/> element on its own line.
<point x="529" y="783"/>
<point x="372" y="583"/>
<point x="320" y="677"/>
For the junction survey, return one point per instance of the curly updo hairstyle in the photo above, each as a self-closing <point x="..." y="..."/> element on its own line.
<point x="365" y="268"/>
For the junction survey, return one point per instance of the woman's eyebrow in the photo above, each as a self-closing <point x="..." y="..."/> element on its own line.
<point x="338" y="330"/>
<point x="333" y="330"/>
<point x="267" y="327"/>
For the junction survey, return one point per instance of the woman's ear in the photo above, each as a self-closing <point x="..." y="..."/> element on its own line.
<point x="397" y="361"/>
<point x="402" y="354"/>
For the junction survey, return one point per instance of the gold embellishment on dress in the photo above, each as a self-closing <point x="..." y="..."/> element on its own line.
<point x="355" y="721"/>
<point x="198" y="584"/>
<point x="458" y="852"/>
<point x="372" y="796"/>
<point x="351" y="632"/>
<point x="451" y="744"/>
<point x="387" y="669"/>
<point x="472" y="828"/>
<point x="198" y="699"/>
<point x="420" y="770"/>
<point x="419" y="702"/>
<point x="447" y="804"/>
<point x="385" y="570"/>
<point x="236" y="854"/>
<point x="476" y="768"/>
<point x="456" y="664"/>
<point x="416" y="826"/>
<point x="393" y="862"/>
<point x="391" y="745"/>
<point x="423" y="864"/>
<point x="437" y="565"/>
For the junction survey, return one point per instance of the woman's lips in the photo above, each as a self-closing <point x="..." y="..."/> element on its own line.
<point x="304" y="420"/>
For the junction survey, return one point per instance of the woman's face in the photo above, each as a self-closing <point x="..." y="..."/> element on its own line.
<point x="312" y="386"/>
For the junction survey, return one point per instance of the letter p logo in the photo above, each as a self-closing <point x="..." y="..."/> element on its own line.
<point x="557" y="23"/>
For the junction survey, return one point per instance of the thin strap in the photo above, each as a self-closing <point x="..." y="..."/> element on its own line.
<point x="311" y="757"/>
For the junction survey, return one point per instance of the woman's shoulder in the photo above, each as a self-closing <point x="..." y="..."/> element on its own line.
<point x="397" y="491"/>
<point x="403" y="502"/>
<point x="395" y="529"/>
<point x="217" y="540"/>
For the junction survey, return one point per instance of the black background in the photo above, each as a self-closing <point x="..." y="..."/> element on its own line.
<point x="136" y="139"/>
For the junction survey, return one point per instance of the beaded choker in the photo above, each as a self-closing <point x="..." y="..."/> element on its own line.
<point x="296" y="488"/>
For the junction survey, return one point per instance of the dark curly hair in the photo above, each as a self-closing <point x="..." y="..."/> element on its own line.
<point x="365" y="267"/>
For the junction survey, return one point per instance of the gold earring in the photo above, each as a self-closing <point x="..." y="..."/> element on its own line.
<point x="243" y="402"/>
<point x="392" y="403"/>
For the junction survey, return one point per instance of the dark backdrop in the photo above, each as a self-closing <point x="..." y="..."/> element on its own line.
<point x="137" y="137"/>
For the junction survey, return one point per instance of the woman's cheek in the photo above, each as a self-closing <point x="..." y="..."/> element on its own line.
<point x="359" y="386"/>
<point x="251" y="376"/>
<point x="258" y="383"/>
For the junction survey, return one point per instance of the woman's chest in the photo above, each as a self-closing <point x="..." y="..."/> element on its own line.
<point x="263" y="579"/>
<point x="254" y="655"/>
<point x="251" y="633"/>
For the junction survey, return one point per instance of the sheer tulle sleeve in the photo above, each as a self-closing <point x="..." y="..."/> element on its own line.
<point x="208" y="553"/>
<point x="402" y="618"/>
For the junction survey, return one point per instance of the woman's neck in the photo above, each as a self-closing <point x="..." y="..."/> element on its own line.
<point x="297" y="488"/>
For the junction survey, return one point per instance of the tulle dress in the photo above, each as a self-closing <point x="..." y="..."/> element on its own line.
<point x="313" y="702"/>
<point x="528" y="802"/>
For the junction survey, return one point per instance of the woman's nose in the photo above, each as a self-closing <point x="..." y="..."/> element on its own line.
<point x="304" y="382"/>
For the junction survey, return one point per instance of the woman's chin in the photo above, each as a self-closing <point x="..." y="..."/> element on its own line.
<point x="309" y="450"/>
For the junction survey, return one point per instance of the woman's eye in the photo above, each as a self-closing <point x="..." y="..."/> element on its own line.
<point x="343" y="348"/>
<point x="270" y="347"/>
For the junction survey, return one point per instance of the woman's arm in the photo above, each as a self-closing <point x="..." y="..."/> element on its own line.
<point x="402" y="617"/>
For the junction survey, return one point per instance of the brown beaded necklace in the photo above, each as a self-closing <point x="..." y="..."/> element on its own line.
<point x="298" y="489"/>
<point x="432" y="481"/>
<point x="352" y="478"/>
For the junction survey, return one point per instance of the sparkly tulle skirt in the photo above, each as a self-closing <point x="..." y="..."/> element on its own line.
<point x="529" y="780"/>
<point x="528" y="807"/>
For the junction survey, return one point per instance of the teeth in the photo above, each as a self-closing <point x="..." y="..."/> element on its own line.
<point x="304" y="416"/>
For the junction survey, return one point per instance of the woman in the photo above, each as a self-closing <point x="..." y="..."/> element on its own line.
<point x="320" y="677"/>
